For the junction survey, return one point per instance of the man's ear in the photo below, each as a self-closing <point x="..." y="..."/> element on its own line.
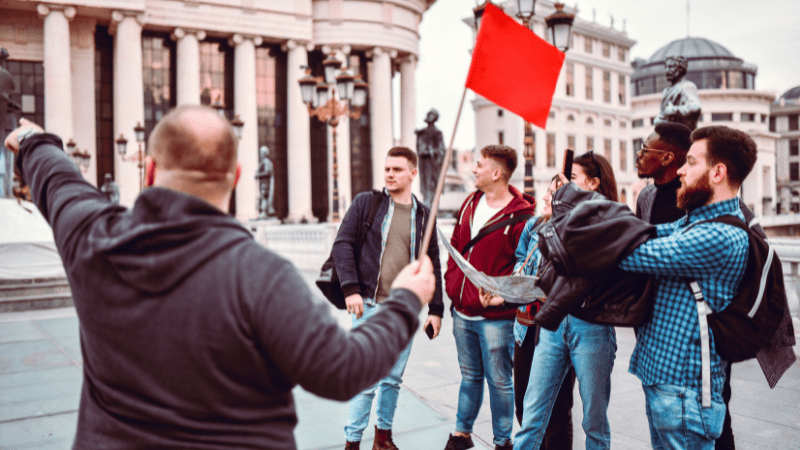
<point x="719" y="173"/>
<point x="667" y="158"/>
<point x="238" y="174"/>
<point x="150" y="171"/>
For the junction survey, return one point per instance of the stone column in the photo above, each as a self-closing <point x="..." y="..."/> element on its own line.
<point x="128" y="102"/>
<point x="381" y="110"/>
<point x="408" y="107"/>
<point x="298" y="136"/>
<point x="188" y="65"/>
<point x="342" y="151"/>
<point x="244" y="94"/>
<point x="57" y="69"/>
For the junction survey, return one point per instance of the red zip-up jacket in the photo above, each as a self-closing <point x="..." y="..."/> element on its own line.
<point x="492" y="255"/>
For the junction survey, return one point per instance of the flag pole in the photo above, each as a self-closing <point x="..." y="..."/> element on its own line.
<point x="426" y="238"/>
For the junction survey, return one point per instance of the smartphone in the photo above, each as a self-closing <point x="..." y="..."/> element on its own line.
<point x="568" y="154"/>
<point x="429" y="331"/>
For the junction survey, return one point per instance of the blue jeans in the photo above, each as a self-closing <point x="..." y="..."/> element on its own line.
<point x="388" y="389"/>
<point x="591" y="349"/>
<point x="485" y="349"/>
<point x="678" y="420"/>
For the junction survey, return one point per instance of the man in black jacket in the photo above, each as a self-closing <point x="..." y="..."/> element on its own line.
<point x="193" y="335"/>
<point x="392" y="240"/>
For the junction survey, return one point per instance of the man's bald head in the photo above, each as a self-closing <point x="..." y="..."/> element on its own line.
<point x="194" y="138"/>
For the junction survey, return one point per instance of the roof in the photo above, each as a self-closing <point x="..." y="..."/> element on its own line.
<point x="691" y="48"/>
<point x="792" y="94"/>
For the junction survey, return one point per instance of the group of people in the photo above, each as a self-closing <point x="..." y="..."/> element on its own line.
<point x="193" y="335"/>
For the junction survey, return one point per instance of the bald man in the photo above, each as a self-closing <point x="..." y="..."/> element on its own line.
<point x="193" y="335"/>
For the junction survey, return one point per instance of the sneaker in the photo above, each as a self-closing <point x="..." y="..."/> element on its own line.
<point x="459" y="443"/>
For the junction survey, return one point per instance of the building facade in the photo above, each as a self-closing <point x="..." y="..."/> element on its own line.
<point x="91" y="70"/>
<point x="783" y="120"/>
<point x="726" y="87"/>
<point x="590" y="110"/>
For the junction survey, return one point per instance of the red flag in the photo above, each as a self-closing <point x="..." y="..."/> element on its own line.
<point x="513" y="67"/>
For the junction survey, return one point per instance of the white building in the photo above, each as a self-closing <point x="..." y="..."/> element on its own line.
<point x="90" y="70"/>
<point x="726" y="87"/>
<point x="590" y="110"/>
<point x="783" y="120"/>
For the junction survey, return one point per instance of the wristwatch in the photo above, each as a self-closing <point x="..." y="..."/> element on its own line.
<point x="25" y="133"/>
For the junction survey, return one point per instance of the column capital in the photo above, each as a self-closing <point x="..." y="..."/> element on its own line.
<point x="44" y="10"/>
<point x="120" y="15"/>
<point x="179" y="33"/>
<point x="289" y="45"/>
<point x="409" y="58"/>
<point x="237" y="39"/>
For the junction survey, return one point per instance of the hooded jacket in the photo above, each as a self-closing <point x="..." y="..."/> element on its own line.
<point x="192" y="334"/>
<point x="492" y="255"/>
<point x="581" y="247"/>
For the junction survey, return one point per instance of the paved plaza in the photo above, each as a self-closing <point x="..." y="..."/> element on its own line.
<point x="41" y="375"/>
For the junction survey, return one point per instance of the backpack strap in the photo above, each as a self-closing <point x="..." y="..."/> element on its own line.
<point x="705" y="343"/>
<point x="495" y="227"/>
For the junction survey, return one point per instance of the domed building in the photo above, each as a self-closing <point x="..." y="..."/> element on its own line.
<point x="728" y="96"/>
<point x="783" y="120"/>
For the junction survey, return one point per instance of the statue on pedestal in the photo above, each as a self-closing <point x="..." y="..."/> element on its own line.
<point x="266" y="184"/>
<point x="430" y="150"/>
<point x="110" y="189"/>
<point x="680" y="102"/>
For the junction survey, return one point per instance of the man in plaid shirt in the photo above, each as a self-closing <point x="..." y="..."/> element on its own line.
<point x="667" y="356"/>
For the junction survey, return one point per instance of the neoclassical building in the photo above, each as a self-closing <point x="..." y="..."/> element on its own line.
<point x="91" y="70"/>
<point x="728" y="96"/>
<point x="784" y="114"/>
<point x="590" y="110"/>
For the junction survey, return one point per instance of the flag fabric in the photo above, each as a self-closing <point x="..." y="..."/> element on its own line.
<point x="513" y="67"/>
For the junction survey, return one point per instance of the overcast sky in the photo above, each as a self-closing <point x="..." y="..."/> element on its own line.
<point x="765" y="33"/>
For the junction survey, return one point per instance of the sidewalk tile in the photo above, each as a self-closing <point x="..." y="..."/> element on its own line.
<point x="20" y="331"/>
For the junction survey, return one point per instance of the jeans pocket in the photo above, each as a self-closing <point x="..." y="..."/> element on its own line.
<point x="667" y="408"/>
<point x="712" y="418"/>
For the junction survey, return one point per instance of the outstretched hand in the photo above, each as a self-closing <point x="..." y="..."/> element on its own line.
<point x="12" y="140"/>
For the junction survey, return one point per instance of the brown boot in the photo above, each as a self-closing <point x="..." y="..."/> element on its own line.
<point x="352" y="445"/>
<point x="383" y="440"/>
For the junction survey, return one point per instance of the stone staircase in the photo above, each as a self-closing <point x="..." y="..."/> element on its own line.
<point x="34" y="293"/>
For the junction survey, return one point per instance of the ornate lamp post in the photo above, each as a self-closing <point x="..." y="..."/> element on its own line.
<point x="80" y="158"/>
<point x="321" y="98"/>
<point x="122" y="148"/>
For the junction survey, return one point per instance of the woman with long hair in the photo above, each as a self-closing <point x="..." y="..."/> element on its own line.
<point x="589" y="348"/>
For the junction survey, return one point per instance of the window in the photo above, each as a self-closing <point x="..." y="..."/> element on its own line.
<point x="105" y="148"/>
<point x="589" y="144"/>
<point x="551" y="150"/>
<point x="216" y="74"/>
<point x="500" y="137"/>
<point x="530" y="144"/>
<point x="749" y="81"/>
<point x="735" y="80"/>
<point x="748" y="117"/>
<point x="794" y="149"/>
<point x="157" y="52"/>
<point x="637" y="144"/>
<point x="589" y="93"/>
<point x="606" y="50"/>
<point x="772" y="124"/>
<point x="570" y="118"/>
<point x="571" y="141"/>
<point x="500" y="112"/>
<point x="623" y="125"/>
<point x="29" y="89"/>
<point x="607" y="122"/>
<point x="570" y="79"/>
<point x="607" y="86"/>
<point x="652" y="121"/>
<point x="793" y="122"/>
<point x="721" y="117"/>
<point x="587" y="44"/>
<point x="763" y="118"/>
<point x="621" y="53"/>
<point x="589" y="121"/>
<point x="622" y="88"/>
<point x="794" y="171"/>
<point x="637" y="123"/>
<point x="623" y="155"/>
<point x="552" y="115"/>
<point x="607" y="149"/>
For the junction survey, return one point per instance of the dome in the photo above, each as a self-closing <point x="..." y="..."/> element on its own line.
<point x="792" y="95"/>
<point x="691" y="48"/>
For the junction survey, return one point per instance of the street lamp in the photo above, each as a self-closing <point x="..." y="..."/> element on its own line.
<point x="559" y="27"/>
<point x="122" y="148"/>
<point x="80" y="158"/>
<point x="320" y="96"/>
<point x="238" y="127"/>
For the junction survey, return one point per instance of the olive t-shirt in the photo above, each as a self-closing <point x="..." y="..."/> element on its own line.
<point x="397" y="253"/>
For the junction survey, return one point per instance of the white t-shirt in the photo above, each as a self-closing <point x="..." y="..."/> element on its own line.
<point x="482" y="215"/>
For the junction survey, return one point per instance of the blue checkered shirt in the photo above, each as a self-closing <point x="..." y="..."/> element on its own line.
<point x="668" y="347"/>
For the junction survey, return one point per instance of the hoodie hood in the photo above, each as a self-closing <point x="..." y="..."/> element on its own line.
<point x="164" y="238"/>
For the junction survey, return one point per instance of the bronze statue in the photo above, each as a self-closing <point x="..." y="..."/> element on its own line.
<point x="431" y="150"/>
<point x="680" y="102"/>
<point x="266" y="183"/>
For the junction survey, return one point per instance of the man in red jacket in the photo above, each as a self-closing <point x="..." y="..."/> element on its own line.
<point x="484" y="336"/>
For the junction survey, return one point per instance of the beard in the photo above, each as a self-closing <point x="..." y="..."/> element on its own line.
<point x="696" y="195"/>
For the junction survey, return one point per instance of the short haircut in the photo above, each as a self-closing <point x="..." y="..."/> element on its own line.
<point x="404" y="152"/>
<point x="678" y="136"/>
<point x="175" y="143"/>
<point x="734" y="148"/>
<point x="597" y="166"/>
<point x="504" y="156"/>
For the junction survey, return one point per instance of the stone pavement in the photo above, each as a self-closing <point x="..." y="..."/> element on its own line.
<point x="40" y="380"/>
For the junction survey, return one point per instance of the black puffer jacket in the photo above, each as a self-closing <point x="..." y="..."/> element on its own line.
<point x="581" y="247"/>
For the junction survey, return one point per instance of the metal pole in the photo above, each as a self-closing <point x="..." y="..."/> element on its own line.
<point x="335" y="215"/>
<point x="426" y="239"/>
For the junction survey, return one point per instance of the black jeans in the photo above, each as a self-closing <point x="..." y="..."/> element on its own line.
<point x="725" y="440"/>
<point x="558" y="434"/>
